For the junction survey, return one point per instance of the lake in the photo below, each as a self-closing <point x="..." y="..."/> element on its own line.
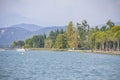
<point x="58" y="65"/>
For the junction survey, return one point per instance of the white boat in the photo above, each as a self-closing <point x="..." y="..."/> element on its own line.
<point x="21" y="50"/>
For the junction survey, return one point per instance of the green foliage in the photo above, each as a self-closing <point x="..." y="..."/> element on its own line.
<point x="117" y="35"/>
<point x="117" y="38"/>
<point x="61" y="41"/>
<point x="37" y="41"/>
<point x="18" y="44"/>
<point x="83" y="31"/>
<point x="69" y="30"/>
<point x="29" y="43"/>
<point x="106" y="39"/>
<point x="61" y="31"/>
<point x="48" y="43"/>
<point x="52" y="36"/>
<point x="80" y="36"/>
<point x="110" y="23"/>
<point x="74" y="39"/>
<point x="104" y="28"/>
<point x="14" y="44"/>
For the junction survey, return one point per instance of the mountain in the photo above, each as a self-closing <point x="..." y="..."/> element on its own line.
<point x="48" y="29"/>
<point x="29" y="27"/>
<point x="22" y="32"/>
<point x="8" y="35"/>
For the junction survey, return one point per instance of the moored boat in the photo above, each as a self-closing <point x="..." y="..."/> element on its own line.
<point x="20" y="49"/>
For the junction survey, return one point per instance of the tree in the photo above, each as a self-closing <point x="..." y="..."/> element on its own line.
<point x="48" y="43"/>
<point x="44" y="36"/>
<point x="117" y="37"/>
<point x="61" y="31"/>
<point x="29" y="43"/>
<point x="38" y="41"/>
<point x="74" y="39"/>
<point x="81" y="31"/>
<point x="93" y="41"/>
<point x="110" y="23"/>
<point x="52" y="37"/>
<point x="84" y="32"/>
<point x="61" y="42"/>
<point x="85" y="25"/>
<point x="106" y="39"/>
<point x="20" y="43"/>
<point x="69" y="30"/>
<point x="14" y="44"/>
<point x="69" y="33"/>
<point x="103" y="28"/>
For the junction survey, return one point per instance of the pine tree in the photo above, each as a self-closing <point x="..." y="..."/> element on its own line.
<point x="61" y="42"/>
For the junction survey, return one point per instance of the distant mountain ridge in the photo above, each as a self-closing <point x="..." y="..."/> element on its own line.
<point x="22" y="32"/>
<point x="29" y="27"/>
<point x="8" y="35"/>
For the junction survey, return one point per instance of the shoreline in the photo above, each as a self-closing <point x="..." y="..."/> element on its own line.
<point x="106" y="52"/>
<point x="70" y="50"/>
<point x="50" y="49"/>
<point x="85" y="51"/>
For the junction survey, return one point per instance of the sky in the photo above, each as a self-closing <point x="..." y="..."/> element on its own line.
<point x="61" y="12"/>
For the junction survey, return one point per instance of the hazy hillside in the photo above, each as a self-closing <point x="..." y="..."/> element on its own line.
<point x="22" y="32"/>
<point x="48" y="29"/>
<point x="29" y="27"/>
<point x="8" y="35"/>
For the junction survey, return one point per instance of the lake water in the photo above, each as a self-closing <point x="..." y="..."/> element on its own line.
<point x="55" y="65"/>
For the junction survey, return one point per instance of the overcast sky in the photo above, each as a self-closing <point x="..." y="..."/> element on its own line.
<point x="60" y="12"/>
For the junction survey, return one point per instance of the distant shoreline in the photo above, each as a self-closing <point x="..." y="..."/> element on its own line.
<point x="70" y="50"/>
<point x="86" y="51"/>
<point x="106" y="52"/>
<point x="51" y="49"/>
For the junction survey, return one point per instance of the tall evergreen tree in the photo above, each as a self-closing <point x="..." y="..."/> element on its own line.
<point x="69" y="33"/>
<point x="61" y="41"/>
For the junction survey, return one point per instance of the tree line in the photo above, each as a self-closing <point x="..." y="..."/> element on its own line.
<point x="79" y="36"/>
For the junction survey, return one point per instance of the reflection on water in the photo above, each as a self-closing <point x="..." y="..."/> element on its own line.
<point x="50" y="65"/>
